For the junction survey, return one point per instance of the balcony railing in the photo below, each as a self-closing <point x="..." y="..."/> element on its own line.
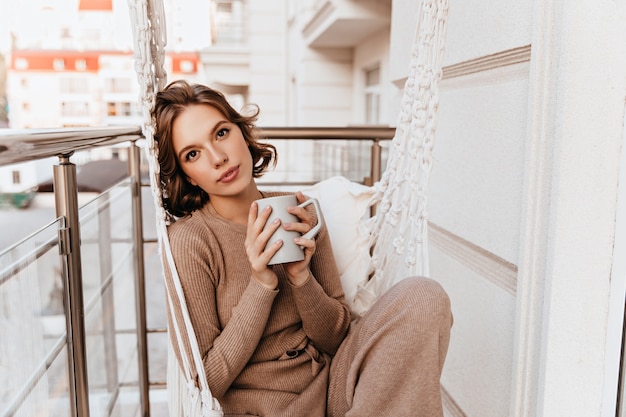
<point x="76" y="325"/>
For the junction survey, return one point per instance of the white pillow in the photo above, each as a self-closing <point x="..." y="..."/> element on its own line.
<point x="346" y="205"/>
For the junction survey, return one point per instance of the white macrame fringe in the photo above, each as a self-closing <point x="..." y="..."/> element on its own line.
<point x="399" y="230"/>
<point x="148" y="23"/>
<point x="398" y="233"/>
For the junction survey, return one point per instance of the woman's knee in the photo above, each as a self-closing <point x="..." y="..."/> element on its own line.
<point x="424" y="296"/>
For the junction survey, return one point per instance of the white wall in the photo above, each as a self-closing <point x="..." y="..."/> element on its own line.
<point x="268" y="61"/>
<point x="523" y="196"/>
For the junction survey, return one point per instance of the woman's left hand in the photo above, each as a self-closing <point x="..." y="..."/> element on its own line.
<point x="298" y="272"/>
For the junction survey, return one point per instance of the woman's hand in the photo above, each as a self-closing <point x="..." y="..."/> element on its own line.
<point x="298" y="272"/>
<point x="256" y="239"/>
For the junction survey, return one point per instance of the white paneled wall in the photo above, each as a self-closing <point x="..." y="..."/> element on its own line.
<point x="523" y="197"/>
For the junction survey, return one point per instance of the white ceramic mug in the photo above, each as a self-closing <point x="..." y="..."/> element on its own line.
<point x="290" y="251"/>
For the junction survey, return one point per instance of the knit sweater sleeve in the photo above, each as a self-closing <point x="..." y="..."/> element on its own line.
<point x="225" y="349"/>
<point x="321" y="301"/>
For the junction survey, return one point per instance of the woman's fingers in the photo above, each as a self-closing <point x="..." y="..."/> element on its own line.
<point x="305" y="217"/>
<point x="257" y="236"/>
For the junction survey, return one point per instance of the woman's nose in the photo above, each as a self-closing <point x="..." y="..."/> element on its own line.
<point x="218" y="157"/>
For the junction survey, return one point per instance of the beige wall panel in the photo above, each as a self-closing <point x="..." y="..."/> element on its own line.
<point x="336" y="73"/>
<point x="475" y="28"/>
<point x="478" y="370"/>
<point x="323" y="107"/>
<point x="477" y="175"/>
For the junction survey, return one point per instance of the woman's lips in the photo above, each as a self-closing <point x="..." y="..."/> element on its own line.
<point x="229" y="175"/>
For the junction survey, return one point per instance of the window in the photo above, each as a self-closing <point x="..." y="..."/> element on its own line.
<point x="372" y="96"/>
<point x="74" y="85"/>
<point x="21" y="63"/>
<point x="124" y="108"/>
<point x="75" y="109"/>
<point x="186" y="65"/>
<point x="58" y="64"/>
<point x="118" y="85"/>
<point x="228" y="19"/>
<point x="111" y="109"/>
<point x="81" y="64"/>
<point x="16" y="177"/>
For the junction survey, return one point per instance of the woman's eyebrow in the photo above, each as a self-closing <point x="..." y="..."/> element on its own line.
<point x="218" y="125"/>
<point x="215" y="128"/>
<point x="182" y="151"/>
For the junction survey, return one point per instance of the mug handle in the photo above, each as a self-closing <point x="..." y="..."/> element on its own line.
<point x="320" y="218"/>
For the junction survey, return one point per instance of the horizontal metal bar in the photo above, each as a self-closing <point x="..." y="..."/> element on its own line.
<point x="20" y="145"/>
<point x="35" y="377"/>
<point x="88" y="212"/>
<point x="149" y="330"/>
<point x="18" y="265"/>
<point x="157" y="330"/>
<point x="330" y="133"/>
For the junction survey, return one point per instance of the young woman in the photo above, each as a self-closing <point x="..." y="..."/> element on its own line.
<point x="276" y="340"/>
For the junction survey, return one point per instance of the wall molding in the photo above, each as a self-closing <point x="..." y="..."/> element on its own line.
<point x="488" y="62"/>
<point x="488" y="265"/>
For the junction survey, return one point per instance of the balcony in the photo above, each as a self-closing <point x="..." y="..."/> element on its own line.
<point x="83" y="325"/>
<point x="345" y="23"/>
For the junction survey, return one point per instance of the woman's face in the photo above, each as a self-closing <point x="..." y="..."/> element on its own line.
<point x="212" y="151"/>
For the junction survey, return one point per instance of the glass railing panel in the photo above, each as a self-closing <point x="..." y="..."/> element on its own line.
<point x="309" y="161"/>
<point x="33" y="355"/>
<point x="108" y="268"/>
<point x="156" y="312"/>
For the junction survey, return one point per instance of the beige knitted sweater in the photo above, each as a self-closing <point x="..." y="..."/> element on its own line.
<point x="266" y="352"/>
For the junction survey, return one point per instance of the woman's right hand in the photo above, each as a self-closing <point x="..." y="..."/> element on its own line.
<point x="256" y="239"/>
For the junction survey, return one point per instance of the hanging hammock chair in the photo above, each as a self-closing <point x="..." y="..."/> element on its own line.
<point x="391" y="245"/>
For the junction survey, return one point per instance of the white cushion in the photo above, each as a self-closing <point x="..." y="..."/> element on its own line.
<point x="346" y="205"/>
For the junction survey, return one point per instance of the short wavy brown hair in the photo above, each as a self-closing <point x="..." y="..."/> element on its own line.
<point x="180" y="197"/>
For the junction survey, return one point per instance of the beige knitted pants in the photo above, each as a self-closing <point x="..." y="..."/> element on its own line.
<point x="391" y="361"/>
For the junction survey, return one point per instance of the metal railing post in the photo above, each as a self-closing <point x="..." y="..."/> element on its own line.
<point x="66" y="202"/>
<point x="134" y="168"/>
<point x="376" y="167"/>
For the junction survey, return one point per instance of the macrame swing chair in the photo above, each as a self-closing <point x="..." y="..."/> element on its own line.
<point x="392" y="244"/>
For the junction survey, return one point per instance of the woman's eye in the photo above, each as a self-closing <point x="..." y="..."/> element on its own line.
<point x="191" y="155"/>
<point x="222" y="133"/>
